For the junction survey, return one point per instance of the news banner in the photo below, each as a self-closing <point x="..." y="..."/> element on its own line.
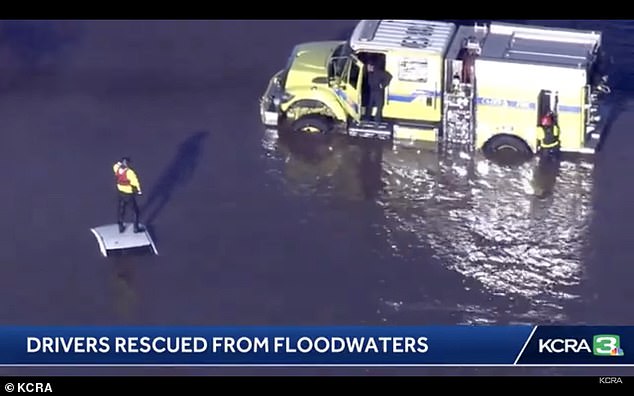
<point x="384" y="346"/>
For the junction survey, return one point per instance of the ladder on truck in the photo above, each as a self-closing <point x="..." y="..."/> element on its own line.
<point x="458" y="118"/>
<point x="457" y="145"/>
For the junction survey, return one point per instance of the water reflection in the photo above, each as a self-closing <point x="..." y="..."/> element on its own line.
<point x="514" y="233"/>
<point x="124" y="290"/>
<point x="331" y="167"/>
<point x="518" y="231"/>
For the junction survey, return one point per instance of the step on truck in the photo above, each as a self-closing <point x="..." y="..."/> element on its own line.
<point x="488" y="87"/>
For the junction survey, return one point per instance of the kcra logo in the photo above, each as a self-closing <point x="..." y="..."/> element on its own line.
<point x="602" y="345"/>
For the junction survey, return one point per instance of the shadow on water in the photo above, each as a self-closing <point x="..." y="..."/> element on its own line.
<point x="371" y="169"/>
<point x="178" y="173"/>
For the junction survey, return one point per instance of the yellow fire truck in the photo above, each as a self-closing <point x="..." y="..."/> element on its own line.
<point x="490" y="87"/>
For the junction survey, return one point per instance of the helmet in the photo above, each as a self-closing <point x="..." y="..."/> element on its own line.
<point x="125" y="161"/>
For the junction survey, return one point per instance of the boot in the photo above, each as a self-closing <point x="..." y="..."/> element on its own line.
<point x="138" y="228"/>
<point x="121" y="228"/>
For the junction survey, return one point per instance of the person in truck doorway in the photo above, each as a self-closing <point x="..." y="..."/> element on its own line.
<point x="377" y="81"/>
<point x="128" y="187"/>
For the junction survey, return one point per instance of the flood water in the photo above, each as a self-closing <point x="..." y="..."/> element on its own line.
<point x="254" y="228"/>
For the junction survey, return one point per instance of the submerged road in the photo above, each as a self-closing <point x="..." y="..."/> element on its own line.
<point x="254" y="230"/>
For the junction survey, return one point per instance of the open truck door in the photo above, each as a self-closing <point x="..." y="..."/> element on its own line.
<point x="349" y="88"/>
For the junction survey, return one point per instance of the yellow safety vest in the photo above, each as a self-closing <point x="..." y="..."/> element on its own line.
<point x="127" y="180"/>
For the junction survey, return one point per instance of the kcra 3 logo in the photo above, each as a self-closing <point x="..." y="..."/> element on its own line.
<point x="602" y="345"/>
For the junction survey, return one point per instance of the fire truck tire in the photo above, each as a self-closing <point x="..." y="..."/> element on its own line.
<point x="507" y="149"/>
<point x="507" y="142"/>
<point x="312" y="124"/>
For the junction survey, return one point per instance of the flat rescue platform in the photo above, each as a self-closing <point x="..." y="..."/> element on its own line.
<point x="110" y="239"/>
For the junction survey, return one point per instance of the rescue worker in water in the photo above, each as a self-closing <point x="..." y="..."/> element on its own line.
<point x="550" y="142"/>
<point x="128" y="188"/>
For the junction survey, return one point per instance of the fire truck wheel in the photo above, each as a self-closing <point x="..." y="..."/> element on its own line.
<point x="507" y="149"/>
<point x="312" y="124"/>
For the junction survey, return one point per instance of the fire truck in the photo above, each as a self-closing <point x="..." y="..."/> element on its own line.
<point x="488" y="87"/>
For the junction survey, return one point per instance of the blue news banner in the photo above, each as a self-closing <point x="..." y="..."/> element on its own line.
<point x="289" y="346"/>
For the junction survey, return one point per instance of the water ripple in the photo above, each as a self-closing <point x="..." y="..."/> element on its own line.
<point x="515" y="233"/>
<point x="489" y="225"/>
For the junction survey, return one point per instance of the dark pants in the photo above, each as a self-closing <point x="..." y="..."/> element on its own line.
<point x="124" y="201"/>
<point x="375" y="99"/>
